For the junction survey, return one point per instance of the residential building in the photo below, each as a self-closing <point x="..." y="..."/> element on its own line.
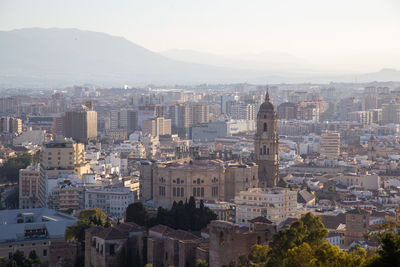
<point x="200" y="113"/>
<point x="157" y="126"/>
<point x="58" y="157"/>
<point x="81" y="124"/>
<point x="29" y="180"/>
<point x="112" y="200"/>
<point x="10" y="125"/>
<point x="275" y="204"/>
<point x="329" y="144"/>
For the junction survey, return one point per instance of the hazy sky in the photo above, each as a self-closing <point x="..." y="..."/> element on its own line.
<point x="356" y="34"/>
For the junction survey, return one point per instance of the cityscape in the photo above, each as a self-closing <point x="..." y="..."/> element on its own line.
<point x="112" y="154"/>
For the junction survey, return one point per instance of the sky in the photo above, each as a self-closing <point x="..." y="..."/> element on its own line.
<point x="361" y="35"/>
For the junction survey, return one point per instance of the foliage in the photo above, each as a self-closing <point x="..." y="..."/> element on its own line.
<point x="185" y="216"/>
<point x="12" y="200"/>
<point x="19" y="260"/>
<point x="87" y="218"/>
<point x="137" y="213"/>
<point x="389" y="252"/>
<point x="303" y="244"/>
<point x="86" y="214"/>
<point x="9" y="171"/>
<point x="201" y="263"/>
<point x="308" y="229"/>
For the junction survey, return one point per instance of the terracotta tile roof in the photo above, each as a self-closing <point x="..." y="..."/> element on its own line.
<point x="333" y="221"/>
<point x="111" y="233"/>
<point x="260" y="219"/>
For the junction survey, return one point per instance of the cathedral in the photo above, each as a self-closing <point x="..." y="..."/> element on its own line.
<point x="266" y="145"/>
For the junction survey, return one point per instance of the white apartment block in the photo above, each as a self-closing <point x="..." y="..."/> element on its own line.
<point x="113" y="201"/>
<point x="275" y="204"/>
<point x="366" y="181"/>
<point x="329" y="144"/>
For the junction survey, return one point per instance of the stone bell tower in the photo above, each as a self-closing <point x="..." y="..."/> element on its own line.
<point x="266" y="142"/>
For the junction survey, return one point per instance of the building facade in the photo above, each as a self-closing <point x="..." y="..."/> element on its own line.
<point x="81" y="125"/>
<point x="29" y="180"/>
<point x="275" y="204"/>
<point x="329" y="144"/>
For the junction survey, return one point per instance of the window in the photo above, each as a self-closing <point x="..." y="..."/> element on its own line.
<point x="194" y="192"/>
<point x="44" y="252"/>
<point x="174" y="192"/>
<point x="265" y="127"/>
<point x="221" y="238"/>
<point x="182" y="192"/>
<point x="202" y="192"/>
<point x="267" y="151"/>
<point x="260" y="151"/>
<point x="264" y="150"/>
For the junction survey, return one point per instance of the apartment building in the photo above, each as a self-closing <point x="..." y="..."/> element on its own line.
<point x="275" y="204"/>
<point x="29" y="180"/>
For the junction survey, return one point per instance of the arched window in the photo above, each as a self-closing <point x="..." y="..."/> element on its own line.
<point x="264" y="150"/>
<point x="267" y="151"/>
<point x="265" y="127"/>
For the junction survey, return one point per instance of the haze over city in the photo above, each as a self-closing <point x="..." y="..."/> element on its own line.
<point x="286" y="38"/>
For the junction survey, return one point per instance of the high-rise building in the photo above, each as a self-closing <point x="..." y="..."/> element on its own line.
<point x="157" y="126"/>
<point x="370" y="98"/>
<point x="266" y="144"/>
<point x="329" y="144"/>
<point x="126" y="119"/>
<point x="391" y="112"/>
<point x="8" y="105"/>
<point x="372" y="148"/>
<point x="242" y="111"/>
<point x="29" y="179"/>
<point x="57" y="158"/>
<point x="81" y="125"/>
<point x="287" y="111"/>
<point x="58" y="127"/>
<point x="10" y="125"/>
<point x="181" y="117"/>
<point x="200" y="113"/>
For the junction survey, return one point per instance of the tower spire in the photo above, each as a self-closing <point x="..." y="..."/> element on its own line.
<point x="267" y="95"/>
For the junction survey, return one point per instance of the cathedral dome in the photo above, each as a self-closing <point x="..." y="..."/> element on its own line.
<point x="267" y="106"/>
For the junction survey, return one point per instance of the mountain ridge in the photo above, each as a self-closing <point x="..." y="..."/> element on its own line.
<point x="49" y="57"/>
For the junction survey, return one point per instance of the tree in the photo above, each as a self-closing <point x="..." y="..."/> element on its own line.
<point x="137" y="213"/>
<point x="9" y="171"/>
<point x="76" y="232"/>
<point x="201" y="263"/>
<point x="33" y="257"/>
<point x="389" y="253"/>
<point x="92" y="213"/>
<point x="12" y="200"/>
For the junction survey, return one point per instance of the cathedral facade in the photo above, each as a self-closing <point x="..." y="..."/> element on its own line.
<point x="266" y="143"/>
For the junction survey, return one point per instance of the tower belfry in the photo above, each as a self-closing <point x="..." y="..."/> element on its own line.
<point x="266" y="144"/>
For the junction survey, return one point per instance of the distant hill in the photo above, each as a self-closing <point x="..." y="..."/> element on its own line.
<point x="72" y="56"/>
<point x="54" y="57"/>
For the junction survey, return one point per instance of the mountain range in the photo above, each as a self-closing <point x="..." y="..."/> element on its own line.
<point x="38" y="57"/>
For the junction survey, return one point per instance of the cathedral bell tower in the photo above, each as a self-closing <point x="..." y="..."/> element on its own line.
<point x="266" y="143"/>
